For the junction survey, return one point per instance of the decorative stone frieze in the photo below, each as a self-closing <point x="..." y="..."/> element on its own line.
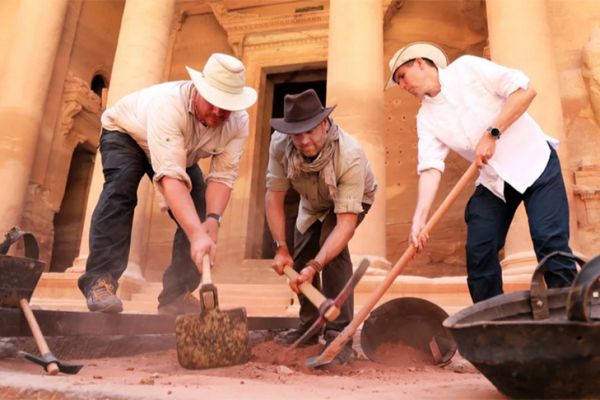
<point x="305" y="26"/>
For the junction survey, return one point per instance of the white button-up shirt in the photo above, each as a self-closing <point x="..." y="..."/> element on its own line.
<point x="162" y="120"/>
<point x="473" y="91"/>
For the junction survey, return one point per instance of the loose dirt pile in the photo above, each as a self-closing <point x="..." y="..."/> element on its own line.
<point x="272" y="373"/>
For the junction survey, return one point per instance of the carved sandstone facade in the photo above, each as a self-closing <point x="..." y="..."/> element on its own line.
<point x="50" y="108"/>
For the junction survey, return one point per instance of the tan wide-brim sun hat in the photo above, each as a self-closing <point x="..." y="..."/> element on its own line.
<point x="221" y="83"/>
<point x="415" y="50"/>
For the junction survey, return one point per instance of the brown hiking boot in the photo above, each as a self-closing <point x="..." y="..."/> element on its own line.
<point x="101" y="297"/>
<point x="186" y="303"/>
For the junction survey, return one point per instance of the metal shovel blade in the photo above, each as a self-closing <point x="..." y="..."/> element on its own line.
<point x="214" y="338"/>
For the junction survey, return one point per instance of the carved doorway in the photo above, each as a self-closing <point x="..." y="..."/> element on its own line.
<point x="277" y="86"/>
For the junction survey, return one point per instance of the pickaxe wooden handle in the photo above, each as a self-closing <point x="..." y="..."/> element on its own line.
<point x="51" y="368"/>
<point x="326" y="306"/>
<point x="338" y="343"/>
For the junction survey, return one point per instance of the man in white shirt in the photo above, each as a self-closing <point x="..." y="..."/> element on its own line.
<point x="478" y="109"/>
<point x="163" y="131"/>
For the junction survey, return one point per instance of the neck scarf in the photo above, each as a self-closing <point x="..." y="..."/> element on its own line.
<point x="323" y="163"/>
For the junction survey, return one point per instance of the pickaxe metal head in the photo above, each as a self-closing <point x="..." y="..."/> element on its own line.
<point x="48" y="359"/>
<point x="337" y="302"/>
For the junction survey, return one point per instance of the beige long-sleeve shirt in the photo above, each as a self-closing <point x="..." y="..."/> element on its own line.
<point x="161" y="119"/>
<point x="355" y="181"/>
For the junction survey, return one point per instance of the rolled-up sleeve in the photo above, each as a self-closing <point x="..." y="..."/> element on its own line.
<point x="496" y="78"/>
<point x="166" y="144"/>
<point x="276" y="179"/>
<point x="432" y="152"/>
<point x="351" y="186"/>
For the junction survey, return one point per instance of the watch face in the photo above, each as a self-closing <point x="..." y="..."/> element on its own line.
<point x="495" y="132"/>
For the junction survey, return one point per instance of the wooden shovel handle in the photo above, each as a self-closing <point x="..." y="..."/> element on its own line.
<point x="334" y="348"/>
<point x="313" y="295"/>
<point x="206" y="270"/>
<point x="51" y="368"/>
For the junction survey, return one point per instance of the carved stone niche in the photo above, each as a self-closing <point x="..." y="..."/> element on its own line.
<point x="587" y="187"/>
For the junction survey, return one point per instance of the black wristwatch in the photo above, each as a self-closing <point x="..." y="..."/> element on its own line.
<point x="277" y="245"/>
<point x="495" y="132"/>
<point x="215" y="216"/>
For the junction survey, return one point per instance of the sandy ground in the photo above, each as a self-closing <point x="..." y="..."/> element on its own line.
<point x="271" y="374"/>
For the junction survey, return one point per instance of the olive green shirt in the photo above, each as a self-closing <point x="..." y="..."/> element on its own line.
<point x="354" y="178"/>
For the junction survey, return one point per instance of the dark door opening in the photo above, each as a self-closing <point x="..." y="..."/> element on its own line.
<point x="68" y="222"/>
<point x="284" y="84"/>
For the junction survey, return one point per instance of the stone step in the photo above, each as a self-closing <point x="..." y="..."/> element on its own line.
<point x="149" y="307"/>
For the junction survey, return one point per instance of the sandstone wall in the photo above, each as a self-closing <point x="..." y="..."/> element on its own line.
<point x="576" y="29"/>
<point x="459" y="27"/>
<point x="72" y="111"/>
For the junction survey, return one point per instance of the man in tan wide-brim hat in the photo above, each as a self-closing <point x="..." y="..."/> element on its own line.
<point x="478" y="109"/>
<point x="330" y="171"/>
<point x="163" y="131"/>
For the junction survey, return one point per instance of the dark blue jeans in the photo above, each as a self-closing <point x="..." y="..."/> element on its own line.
<point x="124" y="164"/>
<point x="488" y="219"/>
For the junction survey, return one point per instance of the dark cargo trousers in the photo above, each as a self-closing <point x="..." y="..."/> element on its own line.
<point x="488" y="219"/>
<point x="334" y="275"/>
<point x="124" y="164"/>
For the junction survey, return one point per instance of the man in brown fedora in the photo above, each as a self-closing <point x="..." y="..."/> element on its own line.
<point x="163" y="131"/>
<point x="330" y="171"/>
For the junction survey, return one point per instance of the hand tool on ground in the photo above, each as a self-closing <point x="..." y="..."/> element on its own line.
<point x="327" y="356"/>
<point x="337" y="302"/>
<point x="213" y="337"/>
<point x="18" y="278"/>
<point x="326" y="307"/>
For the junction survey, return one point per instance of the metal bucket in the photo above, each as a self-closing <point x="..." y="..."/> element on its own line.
<point x="541" y="343"/>
<point x="19" y="275"/>
<point x="411" y="321"/>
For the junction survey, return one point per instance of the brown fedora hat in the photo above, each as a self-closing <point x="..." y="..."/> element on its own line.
<point x="301" y="113"/>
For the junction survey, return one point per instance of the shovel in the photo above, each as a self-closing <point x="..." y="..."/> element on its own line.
<point x="212" y="338"/>
<point x="328" y="355"/>
<point x="18" y="278"/>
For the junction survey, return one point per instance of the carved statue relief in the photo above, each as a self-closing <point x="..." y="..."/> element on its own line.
<point x="591" y="70"/>
<point x="77" y="96"/>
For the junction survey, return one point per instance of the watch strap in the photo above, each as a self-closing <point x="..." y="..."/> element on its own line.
<point x="215" y="216"/>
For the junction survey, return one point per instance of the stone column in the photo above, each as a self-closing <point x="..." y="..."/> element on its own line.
<point x="139" y="62"/>
<point x="531" y="51"/>
<point x="24" y="84"/>
<point x="355" y="83"/>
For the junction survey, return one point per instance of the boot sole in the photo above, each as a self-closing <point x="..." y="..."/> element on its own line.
<point x="109" y="309"/>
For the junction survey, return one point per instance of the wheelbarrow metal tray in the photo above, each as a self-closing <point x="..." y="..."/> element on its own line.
<point x="553" y="357"/>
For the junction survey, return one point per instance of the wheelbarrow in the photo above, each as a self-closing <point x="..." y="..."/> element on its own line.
<point x="18" y="278"/>
<point x="540" y="343"/>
